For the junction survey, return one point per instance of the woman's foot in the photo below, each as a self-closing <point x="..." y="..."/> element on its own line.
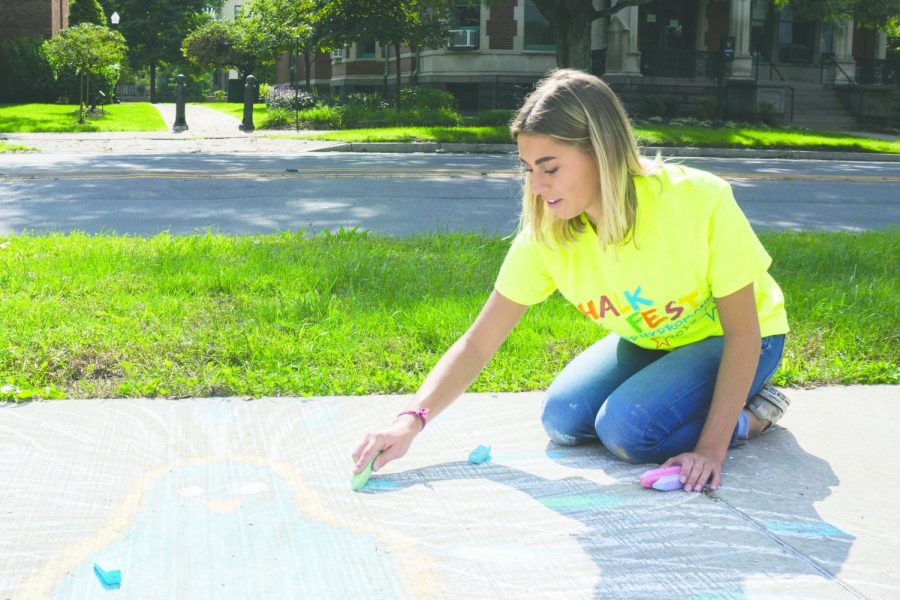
<point x="765" y="409"/>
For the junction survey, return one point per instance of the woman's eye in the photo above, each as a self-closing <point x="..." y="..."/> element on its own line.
<point x="551" y="171"/>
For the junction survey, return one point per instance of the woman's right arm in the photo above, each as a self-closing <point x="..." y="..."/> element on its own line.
<point x="449" y="378"/>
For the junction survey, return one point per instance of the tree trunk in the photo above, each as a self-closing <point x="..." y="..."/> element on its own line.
<point x="397" y="50"/>
<point x="153" y="83"/>
<point x="307" y="66"/>
<point x="578" y="36"/>
<point x="571" y="21"/>
<point x="81" y="98"/>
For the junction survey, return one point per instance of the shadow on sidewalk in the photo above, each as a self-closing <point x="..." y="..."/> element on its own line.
<point x="652" y="544"/>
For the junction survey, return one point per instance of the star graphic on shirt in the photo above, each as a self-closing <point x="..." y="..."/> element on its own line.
<point x="661" y="342"/>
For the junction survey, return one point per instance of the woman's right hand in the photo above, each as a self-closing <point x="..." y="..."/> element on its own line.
<point x="392" y="443"/>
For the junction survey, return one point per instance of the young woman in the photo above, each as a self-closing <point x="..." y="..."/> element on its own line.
<point x="659" y="255"/>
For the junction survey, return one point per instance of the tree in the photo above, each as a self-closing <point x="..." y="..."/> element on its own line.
<point x="87" y="48"/>
<point x="219" y="45"/>
<point x="874" y="14"/>
<point x="86" y="11"/>
<point x="275" y="27"/>
<point x="571" y="20"/>
<point x="155" y="29"/>
<point x="392" y="23"/>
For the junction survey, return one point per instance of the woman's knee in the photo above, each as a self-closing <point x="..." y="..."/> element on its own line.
<point x="563" y="419"/>
<point x="624" y="430"/>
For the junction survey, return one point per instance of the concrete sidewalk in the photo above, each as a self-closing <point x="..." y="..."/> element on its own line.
<point x="230" y="498"/>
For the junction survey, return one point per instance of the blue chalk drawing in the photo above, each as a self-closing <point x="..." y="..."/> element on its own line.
<point x="378" y="485"/>
<point x="228" y="530"/>
<point x="809" y="530"/>
<point x="110" y="580"/>
<point x="576" y="502"/>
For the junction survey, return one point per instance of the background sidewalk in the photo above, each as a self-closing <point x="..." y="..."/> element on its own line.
<point x="252" y="499"/>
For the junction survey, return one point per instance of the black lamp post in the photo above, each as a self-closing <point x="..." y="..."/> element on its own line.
<point x="114" y="19"/>
<point x="296" y="84"/>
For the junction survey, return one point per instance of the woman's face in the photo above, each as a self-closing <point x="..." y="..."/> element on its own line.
<point x="564" y="177"/>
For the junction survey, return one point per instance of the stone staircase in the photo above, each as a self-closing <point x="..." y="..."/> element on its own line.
<point x="818" y="106"/>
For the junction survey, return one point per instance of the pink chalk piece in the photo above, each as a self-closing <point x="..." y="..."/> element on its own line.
<point x="667" y="483"/>
<point x="650" y="477"/>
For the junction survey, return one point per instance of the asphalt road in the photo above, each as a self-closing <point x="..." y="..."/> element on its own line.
<point x="397" y="194"/>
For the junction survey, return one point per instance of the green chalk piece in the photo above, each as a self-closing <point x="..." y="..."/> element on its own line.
<point x="110" y="580"/>
<point x="360" y="479"/>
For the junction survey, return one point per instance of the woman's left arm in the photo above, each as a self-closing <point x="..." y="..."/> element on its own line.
<point x="740" y="357"/>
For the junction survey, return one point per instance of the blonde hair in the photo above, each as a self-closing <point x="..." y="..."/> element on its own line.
<point x="577" y="108"/>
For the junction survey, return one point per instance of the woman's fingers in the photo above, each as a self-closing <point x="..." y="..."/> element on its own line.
<point x="370" y="446"/>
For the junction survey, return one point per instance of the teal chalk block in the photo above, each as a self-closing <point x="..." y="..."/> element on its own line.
<point x="480" y="454"/>
<point x="110" y="580"/>
<point x="360" y="479"/>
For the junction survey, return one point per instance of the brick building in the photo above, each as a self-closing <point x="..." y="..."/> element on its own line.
<point x="668" y="50"/>
<point x="28" y="18"/>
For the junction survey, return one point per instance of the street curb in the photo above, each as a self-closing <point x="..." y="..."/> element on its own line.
<point x="450" y="148"/>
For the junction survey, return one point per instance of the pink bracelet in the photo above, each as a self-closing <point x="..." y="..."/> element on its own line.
<point x="422" y="413"/>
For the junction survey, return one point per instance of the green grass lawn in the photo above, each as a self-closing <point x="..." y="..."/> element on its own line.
<point x="7" y="147"/>
<point x="32" y="118"/>
<point x="235" y="109"/>
<point x="648" y="135"/>
<point x="668" y="135"/>
<point x="347" y="313"/>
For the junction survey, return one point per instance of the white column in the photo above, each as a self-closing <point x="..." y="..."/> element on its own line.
<point x="598" y="30"/>
<point x="622" y="54"/>
<point x="880" y="45"/>
<point x="843" y="52"/>
<point x="702" y="26"/>
<point x="739" y="27"/>
<point x="519" y="16"/>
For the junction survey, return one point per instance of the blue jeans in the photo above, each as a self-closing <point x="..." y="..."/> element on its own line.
<point x="644" y="405"/>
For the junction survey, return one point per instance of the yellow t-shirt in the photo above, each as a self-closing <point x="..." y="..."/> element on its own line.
<point x="694" y="244"/>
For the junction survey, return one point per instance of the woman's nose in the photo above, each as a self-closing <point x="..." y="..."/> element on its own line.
<point x="538" y="185"/>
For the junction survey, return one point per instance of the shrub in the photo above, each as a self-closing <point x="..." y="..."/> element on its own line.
<point x="365" y="101"/>
<point x="768" y="114"/>
<point x="492" y="117"/>
<point x="284" y="96"/>
<point x="425" y="117"/>
<point x="706" y="109"/>
<point x="690" y="122"/>
<point x="656" y="106"/>
<point x="25" y="74"/>
<point x="426" y="97"/>
<point x="318" y="117"/>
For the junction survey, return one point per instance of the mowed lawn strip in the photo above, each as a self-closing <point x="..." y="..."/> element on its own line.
<point x="349" y="313"/>
<point x="235" y="109"/>
<point x="62" y="118"/>
<point x="7" y="147"/>
<point x="648" y="135"/>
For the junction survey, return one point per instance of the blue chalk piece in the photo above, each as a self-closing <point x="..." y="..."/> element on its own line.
<point x="110" y="580"/>
<point x="480" y="454"/>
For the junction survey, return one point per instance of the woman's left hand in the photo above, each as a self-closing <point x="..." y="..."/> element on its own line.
<point x="698" y="468"/>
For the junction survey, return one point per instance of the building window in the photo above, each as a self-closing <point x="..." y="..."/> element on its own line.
<point x="238" y="11"/>
<point x="795" y="38"/>
<point x="539" y="34"/>
<point x="465" y="24"/>
<point x="760" y="29"/>
<point x="826" y="40"/>
<point x="365" y="48"/>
